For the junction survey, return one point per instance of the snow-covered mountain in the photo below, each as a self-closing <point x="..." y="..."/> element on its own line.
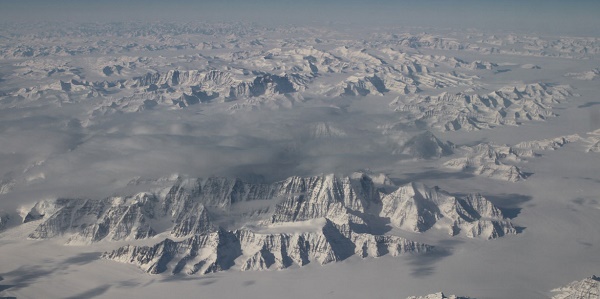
<point x="415" y="207"/>
<point x="488" y="160"/>
<point x="340" y="72"/>
<point x="246" y="250"/>
<point x="511" y="105"/>
<point x="322" y="218"/>
<point x="184" y="209"/>
<point x="502" y="161"/>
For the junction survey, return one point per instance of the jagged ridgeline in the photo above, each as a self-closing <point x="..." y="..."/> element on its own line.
<point x="214" y="224"/>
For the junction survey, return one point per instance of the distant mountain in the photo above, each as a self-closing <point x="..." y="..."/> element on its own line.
<point x="489" y="160"/>
<point x="511" y="105"/>
<point x="425" y="145"/>
<point x="439" y="295"/>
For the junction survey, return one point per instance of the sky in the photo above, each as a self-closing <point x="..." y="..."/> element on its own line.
<point x="549" y="16"/>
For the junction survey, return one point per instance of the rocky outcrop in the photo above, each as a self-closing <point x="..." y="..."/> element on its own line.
<point x="588" y="288"/>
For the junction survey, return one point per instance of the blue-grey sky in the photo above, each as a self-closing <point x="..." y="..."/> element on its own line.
<point x="550" y="16"/>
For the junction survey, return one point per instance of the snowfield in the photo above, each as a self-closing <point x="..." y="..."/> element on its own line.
<point x="229" y="159"/>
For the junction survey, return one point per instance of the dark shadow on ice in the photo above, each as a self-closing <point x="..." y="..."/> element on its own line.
<point x="520" y="229"/>
<point x="473" y="143"/>
<point x="589" y="179"/>
<point x="26" y="275"/>
<point x="341" y="246"/>
<point x="526" y="174"/>
<point x="430" y="175"/>
<point x="588" y="104"/>
<point x="82" y="259"/>
<point x="128" y="284"/>
<point x="207" y="282"/>
<point x="373" y="224"/>
<point x="585" y="201"/>
<point x="4" y="286"/>
<point x="248" y="283"/>
<point x="181" y="277"/>
<point x="424" y="264"/>
<point x="509" y="203"/>
<point x="95" y="292"/>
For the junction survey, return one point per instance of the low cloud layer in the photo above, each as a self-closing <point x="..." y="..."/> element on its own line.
<point x="55" y="159"/>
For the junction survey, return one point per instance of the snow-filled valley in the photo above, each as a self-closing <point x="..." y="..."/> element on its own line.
<point x="167" y="159"/>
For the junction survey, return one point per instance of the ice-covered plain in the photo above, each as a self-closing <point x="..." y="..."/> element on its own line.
<point x="163" y="158"/>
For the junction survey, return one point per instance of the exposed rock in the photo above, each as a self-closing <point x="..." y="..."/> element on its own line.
<point x="588" y="288"/>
